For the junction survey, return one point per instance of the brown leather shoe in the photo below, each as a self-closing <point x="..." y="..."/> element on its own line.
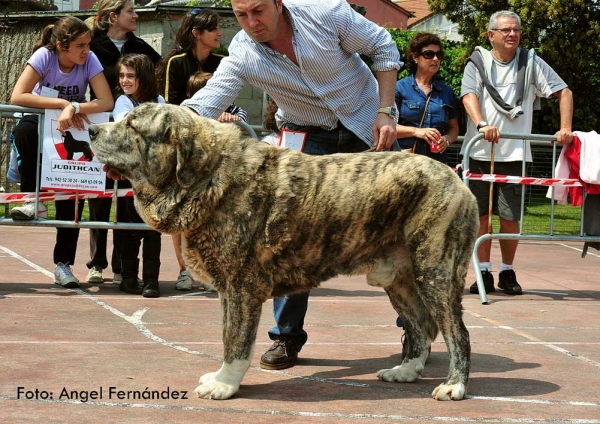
<point x="283" y="354"/>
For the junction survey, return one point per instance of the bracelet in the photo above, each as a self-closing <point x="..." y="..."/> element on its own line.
<point x="447" y="138"/>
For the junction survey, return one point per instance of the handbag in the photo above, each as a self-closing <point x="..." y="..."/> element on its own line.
<point x="414" y="147"/>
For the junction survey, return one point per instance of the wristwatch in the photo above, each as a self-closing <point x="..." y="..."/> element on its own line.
<point x="481" y="125"/>
<point x="391" y="111"/>
<point x="76" y="106"/>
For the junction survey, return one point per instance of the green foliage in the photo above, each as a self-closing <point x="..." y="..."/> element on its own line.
<point x="564" y="33"/>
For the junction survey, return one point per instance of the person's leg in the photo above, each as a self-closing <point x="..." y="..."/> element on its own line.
<point x="184" y="279"/>
<point x="25" y="141"/>
<point x="130" y="248"/>
<point x="481" y="191"/>
<point x="289" y="311"/>
<point x="25" y="136"/>
<point x="99" y="211"/>
<point x="151" y="267"/>
<point x="509" y="211"/>
<point x="65" y="247"/>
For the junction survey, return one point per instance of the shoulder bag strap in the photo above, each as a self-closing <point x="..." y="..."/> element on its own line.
<point x="423" y="117"/>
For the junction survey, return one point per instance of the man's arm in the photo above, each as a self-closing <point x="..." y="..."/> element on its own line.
<point x="384" y="128"/>
<point x="565" y="101"/>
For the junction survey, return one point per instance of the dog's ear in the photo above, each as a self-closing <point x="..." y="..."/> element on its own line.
<point x="190" y="158"/>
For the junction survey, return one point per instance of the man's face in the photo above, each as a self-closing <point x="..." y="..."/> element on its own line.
<point x="259" y="18"/>
<point x="506" y="36"/>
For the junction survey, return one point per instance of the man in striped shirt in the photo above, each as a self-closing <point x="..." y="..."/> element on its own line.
<point x="306" y="55"/>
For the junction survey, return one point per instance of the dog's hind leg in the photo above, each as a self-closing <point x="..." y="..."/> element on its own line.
<point x="241" y="315"/>
<point x="420" y="331"/>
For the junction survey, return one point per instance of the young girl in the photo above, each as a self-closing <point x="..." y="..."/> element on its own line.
<point x="63" y="65"/>
<point x="137" y="84"/>
<point x="113" y="35"/>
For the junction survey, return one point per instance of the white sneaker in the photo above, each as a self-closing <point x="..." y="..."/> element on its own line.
<point x="184" y="281"/>
<point x="63" y="276"/>
<point x="26" y="212"/>
<point x="95" y="275"/>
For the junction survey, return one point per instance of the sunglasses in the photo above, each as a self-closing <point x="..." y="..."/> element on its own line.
<point x="429" y="54"/>
<point x="195" y="11"/>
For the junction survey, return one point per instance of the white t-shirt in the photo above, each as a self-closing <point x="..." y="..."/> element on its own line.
<point x="544" y="82"/>
<point x="124" y="105"/>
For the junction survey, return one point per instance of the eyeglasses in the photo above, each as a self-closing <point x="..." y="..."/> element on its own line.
<point x="195" y="11"/>
<point x="506" y="31"/>
<point x="429" y="54"/>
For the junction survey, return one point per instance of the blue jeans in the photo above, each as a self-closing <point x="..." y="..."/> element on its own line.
<point x="289" y="311"/>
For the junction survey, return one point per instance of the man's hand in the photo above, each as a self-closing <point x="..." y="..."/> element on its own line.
<point x="564" y="136"/>
<point x="490" y="133"/>
<point x="384" y="132"/>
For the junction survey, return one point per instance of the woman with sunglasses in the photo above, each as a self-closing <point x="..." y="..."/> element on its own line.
<point x="428" y="109"/>
<point x="197" y="36"/>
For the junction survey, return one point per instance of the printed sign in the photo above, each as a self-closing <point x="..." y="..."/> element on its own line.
<point x="68" y="163"/>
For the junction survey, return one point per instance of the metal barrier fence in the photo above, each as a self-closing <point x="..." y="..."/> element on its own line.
<point x="8" y="117"/>
<point x="533" y="139"/>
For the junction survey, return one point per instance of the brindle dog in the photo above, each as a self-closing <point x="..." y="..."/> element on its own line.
<point x="259" y="221"/>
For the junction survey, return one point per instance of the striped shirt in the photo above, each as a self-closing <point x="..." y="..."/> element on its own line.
<point x="331" y="83"/>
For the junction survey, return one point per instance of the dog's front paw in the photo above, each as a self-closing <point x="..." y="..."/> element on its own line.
<point x="449" y="392"/>
<point x="214" y="389"/>
<point x="400" y="373"/>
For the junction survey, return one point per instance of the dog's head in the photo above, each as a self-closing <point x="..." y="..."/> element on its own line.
<point x="68" y="136"/>
<point x="163" y="150"/>
<point x="157" y="144"/>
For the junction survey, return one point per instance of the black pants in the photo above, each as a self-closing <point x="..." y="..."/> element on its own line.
<point x="100" y="211"/>
<point x="66" y="238"/>
<point x="26" y="142"/>
<point x="131" y="240"/>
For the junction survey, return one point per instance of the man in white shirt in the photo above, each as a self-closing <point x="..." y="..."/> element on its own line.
<point x="501" y="68"/>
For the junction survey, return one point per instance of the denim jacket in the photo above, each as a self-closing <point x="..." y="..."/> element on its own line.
<point x="411" y="100"/>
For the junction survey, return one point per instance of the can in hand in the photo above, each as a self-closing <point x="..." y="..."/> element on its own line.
<point x="434" y="147"/>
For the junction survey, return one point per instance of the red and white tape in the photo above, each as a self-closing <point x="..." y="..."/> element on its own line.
<point x="498" y="178"/>
<point x="51" y="196"/>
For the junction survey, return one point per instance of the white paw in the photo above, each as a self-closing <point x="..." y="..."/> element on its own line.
<point x="405" y="373"/>
<point x="216" y="390"/>
<point x="449" y="392"/>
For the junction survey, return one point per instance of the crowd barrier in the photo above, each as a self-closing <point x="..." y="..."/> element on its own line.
<point x="8" y="117"/>
<point x="533" y="139"/>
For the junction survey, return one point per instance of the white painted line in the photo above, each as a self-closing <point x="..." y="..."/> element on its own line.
<point x="538" y="341"/>
<point x="579" y="250"/>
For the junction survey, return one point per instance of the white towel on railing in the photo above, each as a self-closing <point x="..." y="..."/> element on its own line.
<point x="589" y="157"/>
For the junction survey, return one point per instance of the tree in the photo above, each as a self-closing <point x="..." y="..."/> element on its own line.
<point x="564" y="33"/>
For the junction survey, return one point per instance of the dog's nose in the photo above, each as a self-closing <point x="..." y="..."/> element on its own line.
<point x="93" y="131"/>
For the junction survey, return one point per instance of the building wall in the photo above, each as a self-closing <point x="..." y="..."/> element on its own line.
<point x="384" y="13"/>
<point x="68" y="5"/>
<point x="438" y="24"/>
